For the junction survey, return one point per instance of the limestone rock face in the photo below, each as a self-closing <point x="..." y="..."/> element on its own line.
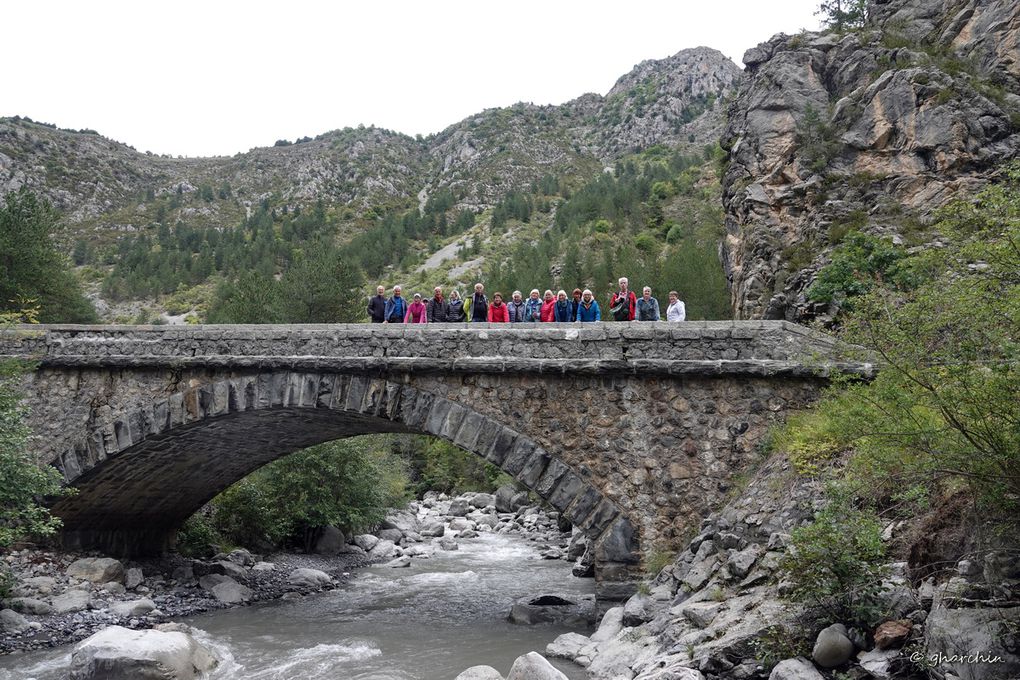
<point x="97" y="570"/>
<point x="858" y="131"/>
<point x="117" y="653"/>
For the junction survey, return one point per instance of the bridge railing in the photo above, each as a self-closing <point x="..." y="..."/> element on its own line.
<point x="753" y="348"/>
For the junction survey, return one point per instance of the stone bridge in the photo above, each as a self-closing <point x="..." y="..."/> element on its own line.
<point x="633" y="431"/>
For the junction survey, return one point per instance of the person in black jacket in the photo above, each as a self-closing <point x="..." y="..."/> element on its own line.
<point x="455" y="309"/>
<point x="377" y="306"/>
<point x="439" y="309"/>
<point x="479" y="310"/>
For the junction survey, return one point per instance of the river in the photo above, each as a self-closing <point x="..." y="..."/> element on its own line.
<point x="426" y="622"/>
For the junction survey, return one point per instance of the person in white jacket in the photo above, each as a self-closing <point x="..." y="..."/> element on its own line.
<point x="676" y="310"/>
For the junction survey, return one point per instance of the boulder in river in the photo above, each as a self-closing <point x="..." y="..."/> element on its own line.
<point x="534" y="666"/>
<point x="564" y="609"/>
<point x="30" y="605"/>
<point x="133" y="578"/>
<point x="117" y="653"/>
<point x="97" y="570"/>
<point x="366" y="541"/>
<point x="480" y="673"/>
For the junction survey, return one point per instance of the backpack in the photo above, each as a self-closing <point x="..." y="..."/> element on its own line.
<point x="621" y="310"/>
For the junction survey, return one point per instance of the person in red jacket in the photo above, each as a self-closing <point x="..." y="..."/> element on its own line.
<point x="498" y="312"/>
<point x="624" y="311"/>
<point x="548" y="312"/>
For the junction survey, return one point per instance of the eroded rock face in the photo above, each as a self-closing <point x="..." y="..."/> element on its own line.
<point x="871" y="130"/>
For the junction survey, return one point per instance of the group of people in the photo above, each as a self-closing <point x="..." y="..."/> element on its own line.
<point x="581" y="306"/>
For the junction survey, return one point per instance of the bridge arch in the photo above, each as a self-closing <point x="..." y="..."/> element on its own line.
<point x="141" y="475"/>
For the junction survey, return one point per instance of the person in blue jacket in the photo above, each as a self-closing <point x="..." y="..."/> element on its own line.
<point x="588" y="310"/>
<point x="562" y="310"/>
<point x="533" y="307"/>
<point x="396" y="307"/>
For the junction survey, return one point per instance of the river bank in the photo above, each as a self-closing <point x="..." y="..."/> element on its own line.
<point x="62" y="598"/>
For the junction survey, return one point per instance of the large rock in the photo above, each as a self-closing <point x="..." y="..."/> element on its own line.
<point x="954" y="632"/>
<point x="482" y="500"/>
<point x="232" y="569"/>
<point x="133" y="578"/>
<point x="564" y="609"/>
<point x="117" y="653"/>
<point x="366" y="541"/>
<point x="433" y="530"/>
<point x="795" y="669"/>
<point x="71" y="601"/>
<point x="43" y="585"/>
<point x="832" y="647"/>
<point x="567" y="646"/>
<point x="383" y="550"/>
<point x="534" y="666"/>
<point x="480" y="673"/>
<point x="30" y="605"/>
<point x="12" y="622"/>
<point x="331" y="542"/>
<point x="879" y="663"/>
<point x="504" y="495"/>
<point x="611" y="625"/>
<point x="638" y="609"/>
<point x="893" y="633"/>
<point x="309" y="578"/>
<point x="130" y="608"/>
<point x="231" y="592"/>
<point x="392" y="535"/>
<point x="403" y="520"/>
<point x="459" y="507"/>
<point x="97" y="570"/>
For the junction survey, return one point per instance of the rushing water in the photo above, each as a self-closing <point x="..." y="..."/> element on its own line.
<point x="426" y="622"/>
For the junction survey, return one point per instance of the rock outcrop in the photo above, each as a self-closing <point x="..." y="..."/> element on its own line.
<point x="870" y="130"/>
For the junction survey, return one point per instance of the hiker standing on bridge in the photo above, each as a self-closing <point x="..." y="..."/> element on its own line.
<point x="439" y="309"/>
<point x="588" y="310"/>
<point x="396" y="307"/>
<point x="647" y="306"/>
<point x="533" y="307"/>
<point x="676" y="310"/>
<point x="516" y="308"/>
<point x="377" y="306"/>
<point x="497" y="310"/>
<point x="561" y="312"/>
<point x="455" y="309"/>
<point x="624" y="302"/>
<point x="417" y="312"/>
<point x="479" y="305"/>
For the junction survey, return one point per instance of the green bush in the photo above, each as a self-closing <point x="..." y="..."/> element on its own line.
<point x="859" y="264"/>
<point x="25" y="482"/>
<point x="347" y="483"/>
<point x="197" y="537"/>
<point x="835" y="564"/>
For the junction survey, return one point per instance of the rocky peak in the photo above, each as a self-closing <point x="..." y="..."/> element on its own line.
<point x="870" y="130"/>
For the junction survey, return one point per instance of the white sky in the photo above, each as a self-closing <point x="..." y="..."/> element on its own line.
<point x="211" y="77"/>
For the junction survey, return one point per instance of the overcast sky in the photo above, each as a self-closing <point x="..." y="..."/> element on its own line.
<point x="210" y="77"/>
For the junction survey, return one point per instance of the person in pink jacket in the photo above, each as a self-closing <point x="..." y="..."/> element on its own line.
<point x="417" y="312"/>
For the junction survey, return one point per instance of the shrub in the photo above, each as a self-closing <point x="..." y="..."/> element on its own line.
<point x="835" y="563"/>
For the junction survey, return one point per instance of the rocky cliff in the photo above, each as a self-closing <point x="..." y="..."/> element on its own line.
<point x="105" y="186"/>
<point x="870" y="130"/>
